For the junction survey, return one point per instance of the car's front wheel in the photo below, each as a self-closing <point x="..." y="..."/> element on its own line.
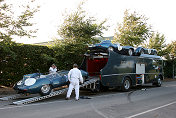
<point x="130" y="52"/>
<point x="45" y="90"/>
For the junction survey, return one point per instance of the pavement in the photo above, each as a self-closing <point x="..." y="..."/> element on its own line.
<point x="9" y="90"/>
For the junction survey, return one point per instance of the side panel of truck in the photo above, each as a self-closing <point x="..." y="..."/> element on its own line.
<point x="120" y="66"/>
<point x="116" y="68"/>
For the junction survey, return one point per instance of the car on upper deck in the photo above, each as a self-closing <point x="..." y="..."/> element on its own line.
<point x="106" y="45"/>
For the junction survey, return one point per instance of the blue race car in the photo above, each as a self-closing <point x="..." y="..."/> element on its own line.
<point x="141" y="50"/>
<point x="106" y="45"/>
<point x="43" y="84"/>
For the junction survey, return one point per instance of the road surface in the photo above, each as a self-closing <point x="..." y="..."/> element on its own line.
<point x="145" y="102"/>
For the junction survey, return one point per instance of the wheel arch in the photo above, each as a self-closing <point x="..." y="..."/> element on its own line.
<point x="161" y="76"/>
<point x="127" y="76"/>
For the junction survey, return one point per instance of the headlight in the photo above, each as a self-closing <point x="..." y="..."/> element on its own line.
<point x="19" y="83"/>
<point x="29" y="81"/>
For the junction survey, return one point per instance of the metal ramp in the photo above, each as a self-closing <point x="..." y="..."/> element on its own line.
<point x="11" y="97"/>
<point x="52" y="94"/>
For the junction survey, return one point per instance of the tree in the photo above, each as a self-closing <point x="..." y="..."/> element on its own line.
<point x="157" y="41"/>
<point x="78" y="28"/>
<point x="171" y="50"/>
<point x="12" y="26"/>
<point x="133" y="31"/>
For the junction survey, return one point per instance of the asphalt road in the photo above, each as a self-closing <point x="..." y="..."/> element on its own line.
<point x="145" y="102"/>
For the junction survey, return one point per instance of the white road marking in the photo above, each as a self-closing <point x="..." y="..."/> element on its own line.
<point x="154" y="109"/>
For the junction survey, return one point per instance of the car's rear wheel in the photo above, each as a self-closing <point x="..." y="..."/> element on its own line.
<point x="45" y="89"/>
<point x="142" y="51"/>
<point x="149" y="51"/>
<point x="155" y="53"/>
<point x="111" y="48"/>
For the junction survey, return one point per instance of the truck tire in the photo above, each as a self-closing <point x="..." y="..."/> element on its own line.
<point x="97" y="88"/>
<point x="126" y="84"/>
<point x="158" y="83"/>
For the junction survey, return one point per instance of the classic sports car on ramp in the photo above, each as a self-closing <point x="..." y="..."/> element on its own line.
<point x="43" y="84"/>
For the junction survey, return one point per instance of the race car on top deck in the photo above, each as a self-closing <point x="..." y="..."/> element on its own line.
<point x="106" y="45"/>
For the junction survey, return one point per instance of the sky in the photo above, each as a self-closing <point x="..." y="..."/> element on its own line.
<point x="161" y="14"/>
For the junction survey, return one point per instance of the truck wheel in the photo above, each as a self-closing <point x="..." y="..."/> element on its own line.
<point x="97" y="88"/>
<point x="126" y="85"/>
<point x="159" y="82"/>
<point x="45" y="90"/>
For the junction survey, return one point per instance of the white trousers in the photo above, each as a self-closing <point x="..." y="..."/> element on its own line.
<point x="73" y="85"/>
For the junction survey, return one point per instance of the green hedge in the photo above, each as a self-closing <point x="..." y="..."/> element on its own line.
<point x="168" y="68"/>
<point x="69" y="54"/>
<point x="27" y="59"/>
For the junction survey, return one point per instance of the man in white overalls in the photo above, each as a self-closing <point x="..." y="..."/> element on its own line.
<point x="74" y="77"/>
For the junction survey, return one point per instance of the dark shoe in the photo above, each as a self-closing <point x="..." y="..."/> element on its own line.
<point x="76" y="99"/>
<point x="67" y="98"/>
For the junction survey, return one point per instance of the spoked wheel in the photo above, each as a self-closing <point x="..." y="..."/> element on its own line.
<point x="130" y="52"/>
<point x="45" y="89"/>
<point x="142" y="51"/>
<point x="111" y="48"/>
<point x="155" y="53"/>
<point x="126" y="84"/>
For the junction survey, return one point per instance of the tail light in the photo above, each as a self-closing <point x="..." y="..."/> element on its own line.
<point x="100" y="77"/>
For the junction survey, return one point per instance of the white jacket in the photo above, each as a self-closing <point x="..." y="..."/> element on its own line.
<point x="52" y="70"/>
<point x="75" y="75"/>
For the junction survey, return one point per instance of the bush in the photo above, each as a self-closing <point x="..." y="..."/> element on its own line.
<point x="28" y="58"/>
<point x="168" y="68"/>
